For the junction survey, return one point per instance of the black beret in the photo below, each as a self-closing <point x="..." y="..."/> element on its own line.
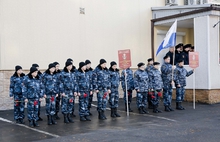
<point x="156" y="63"/>
<point x="113" y="63"/>
<point x="102" y="61"/>
<point x="140" y="64"/>
<point x="33" y="69"/>
<point x="150" y="59"/>
<point x="17" y="68"/>
<point x="35" y="65"/>
<point x="87" y="62"/>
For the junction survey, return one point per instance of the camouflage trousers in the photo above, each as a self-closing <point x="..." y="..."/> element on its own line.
<point x="113" y="98"/>
<point x="167" y="95"/>
<point x="129" y="96"/>
<point x="19" y="107"/>
<point x="180" y="94"/>
<point x="141" y="99"/>
<point x="67" y="103"/>
<point x="32" y="109"/>
<point x="51" y="104"/>
<point x="83" y="103"/>
<point x="102" y="100"/>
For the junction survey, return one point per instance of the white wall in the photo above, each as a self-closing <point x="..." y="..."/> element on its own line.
<point x="214" y="52"/>
<point x="202" y="45"/>
<point x="44" y="31"/>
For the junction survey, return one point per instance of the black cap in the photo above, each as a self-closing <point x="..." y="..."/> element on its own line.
<point x="52" y="65"/>
<point x="17" y="68"/>
<point x="35" y="65"/>
<point x="102" y="61"/>
<point x="81" y="64"/>
<point x="180" y="60"/>
<point x="156" y="63"/>
<point x="113" y="63"/>
<point x="165" y="57"/>
<point x="150" y="59"/>
<point x="33" y="69"/>
<point x="55" y="63"/>
<point x="70" y="60"/>
<point x="140" y="64"/>
<point x="178" y="46"/>
<point x="68" y="63"/>
<point x="87" y="62"/>
<point x="187" y="46"/>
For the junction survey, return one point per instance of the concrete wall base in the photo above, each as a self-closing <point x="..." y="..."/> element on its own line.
<point x="202" y="96"/>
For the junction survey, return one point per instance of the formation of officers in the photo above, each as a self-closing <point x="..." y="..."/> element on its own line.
<point x="64" y="86"/>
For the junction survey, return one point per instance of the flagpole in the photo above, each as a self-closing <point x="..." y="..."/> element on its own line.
<point x="174" y="52"/>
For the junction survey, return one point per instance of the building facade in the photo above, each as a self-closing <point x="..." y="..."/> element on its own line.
<point x="42" y="32"/>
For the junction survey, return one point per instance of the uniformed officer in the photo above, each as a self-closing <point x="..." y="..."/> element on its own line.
<point x="16" y="83"/>
<point x="141" y="85"/>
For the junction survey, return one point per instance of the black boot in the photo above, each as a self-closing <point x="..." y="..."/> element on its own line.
<point x="150" y="106"/>
<point x="39" y="118"/>
<point x="31" y="123"/>
<point x="21" y="121"/>
<point x="167" y="109"/>
<point x="103" y="114"/>
<point x="49" y="120"/>
<point x="73" y="115"/>
<point x="36" y="124"/>
<point x="178" y="106"/>
<point x="65" y="118"/>
<point x="100" y="115"/>
<point x="53" y="120"/>
<point x="145" y="110"/>
<point x="69" y="118"/>
<point x="56" y="116"/>
<point x="129" y="107"/>
<point x="159" y="111"/>
<point x="82" y="118"/>
<point x="155" y="110"/>
<point x="141" y="110"/>
<point x="116" y="113"/>
<point x="170" y="108"/>
<point x="17" y="120"/>
<point x="112" y="113"/>
<point x="89" y="112"/>
<point x="87" y="118"/>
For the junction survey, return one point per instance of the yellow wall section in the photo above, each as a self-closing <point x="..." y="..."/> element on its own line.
<point x="187" y="39"/>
